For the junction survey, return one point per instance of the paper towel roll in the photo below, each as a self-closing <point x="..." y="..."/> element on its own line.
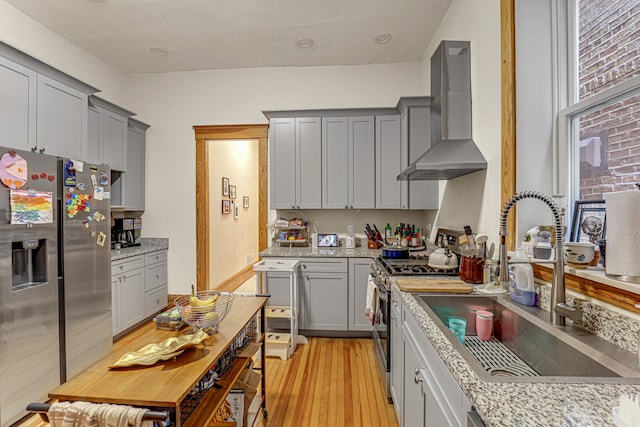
<point x="623" y="233"/>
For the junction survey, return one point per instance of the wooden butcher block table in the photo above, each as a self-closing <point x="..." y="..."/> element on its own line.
<point x="164" y="385"/>
<point x="433" y="284"/>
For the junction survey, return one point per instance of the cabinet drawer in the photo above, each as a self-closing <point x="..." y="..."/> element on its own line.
<point x="154" y="257"/>
<point x="324" y="265"/>
<point x="155" y="275"/>
<point x="155" y="300"/>
<point x="127" y="264"/>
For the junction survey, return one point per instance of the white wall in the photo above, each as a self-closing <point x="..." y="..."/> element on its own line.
<point x="174" y="102"/>
<point x="232" y="239"/>
<point x="474" y="199"/>
<point x="23" y="33"/>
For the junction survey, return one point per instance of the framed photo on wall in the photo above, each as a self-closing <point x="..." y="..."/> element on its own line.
<point x="226" y="206"/>
<point x="232" y="191"/>
<point x="225" y="186"/>
<point x="245" y="202"/>
<point x="589" y="221"/>
<point x="236" y="210"/>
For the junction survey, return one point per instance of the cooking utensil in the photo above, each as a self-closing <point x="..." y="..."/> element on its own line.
<point x="424" y="284"/>
<point x="395" y="252"/>
<point x="443" y="259"/>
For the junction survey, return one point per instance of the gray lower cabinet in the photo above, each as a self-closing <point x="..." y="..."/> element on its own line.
<point x="396" y="353"/>
<point x="128" y="302"/>
<point x="155" y="282"/>
<point x="359" y="269"/>
<point x="348" y="156"/>
<point x="430" y="395"/>
<point x="325" y="301"/>
<point x="295" y="163"/>
<point x="18" y="106"/>
<point x="138" y="289"/>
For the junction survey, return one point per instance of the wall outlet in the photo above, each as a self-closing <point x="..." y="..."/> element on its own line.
<point x="249" y="259"/>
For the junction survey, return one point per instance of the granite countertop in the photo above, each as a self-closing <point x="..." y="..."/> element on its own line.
<point x="147" y="244"/>
<point x="309" y="252"/>
<point x="523" y="404"/>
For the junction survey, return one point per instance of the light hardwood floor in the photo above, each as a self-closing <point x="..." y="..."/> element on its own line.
<point x="327" y="382"/>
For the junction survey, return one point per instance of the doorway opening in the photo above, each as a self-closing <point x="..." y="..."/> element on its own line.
<point x="206" y="136"/>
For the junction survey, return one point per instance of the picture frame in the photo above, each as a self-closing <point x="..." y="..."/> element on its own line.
<point x="225" y="186"/>
<point x="232" y="191"/>
<point x="589" y="222"/>
<point x="245" y="202"/>
<point x="236" y="211"/>
<point x="226" y="206"/>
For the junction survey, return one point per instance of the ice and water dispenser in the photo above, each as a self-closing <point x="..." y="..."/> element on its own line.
<point x="28" y="263"/>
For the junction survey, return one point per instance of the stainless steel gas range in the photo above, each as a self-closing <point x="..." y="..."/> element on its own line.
<point x="382" y="270"/>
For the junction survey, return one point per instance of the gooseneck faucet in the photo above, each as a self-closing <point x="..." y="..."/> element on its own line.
<point x="559" y="308"/>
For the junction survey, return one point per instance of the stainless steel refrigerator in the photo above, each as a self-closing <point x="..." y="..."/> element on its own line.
<point x="55" y="296"/>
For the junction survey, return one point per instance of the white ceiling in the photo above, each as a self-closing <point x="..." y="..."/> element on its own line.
<point x="215" y="34"/>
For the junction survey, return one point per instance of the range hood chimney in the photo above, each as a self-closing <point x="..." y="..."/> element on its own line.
<point x="453" y="153"/>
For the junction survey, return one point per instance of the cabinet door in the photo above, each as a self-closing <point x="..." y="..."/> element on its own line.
<point x="114" y="140"/>
<point x="416" y="135"/>
<point x="134" y="178"/>
<point x="62" y="120"/>
<point x="132" y="297"/>
<point x="282" y="163"/>
<point x="362" y="189"/>
<point x="413" y="403"/>
<point x="17" y="106"/>
<point x="115" y="305"/>
<point x="308" y="162"/>
<point x="358" y="277"/>
<point x="325" y="301"/>
<point x="335" y="163"/>
<point x="388" y="163"/>
<point x="94" y="136"/>
<point x="396" y="362"/>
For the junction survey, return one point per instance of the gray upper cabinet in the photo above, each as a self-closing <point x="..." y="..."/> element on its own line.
<point x="41" y="109"/>
<point x="134" y="178"/>
<point x="107" y="134"/>
<point x="415" y="141"/>
<point x="389" y="191"/>
<point x="348" y="156"/>
<point x="61" y="119"/>
<point x="294" y="162"/>
<point x="17" y="105"/>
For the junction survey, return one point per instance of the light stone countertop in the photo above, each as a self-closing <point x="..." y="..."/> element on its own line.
<point x="523" y="404"/>
<point x="309" y="252"/>
<point x="147" y="244"/>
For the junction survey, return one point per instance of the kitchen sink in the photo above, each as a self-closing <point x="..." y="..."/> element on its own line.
<point x="525" y="347"/>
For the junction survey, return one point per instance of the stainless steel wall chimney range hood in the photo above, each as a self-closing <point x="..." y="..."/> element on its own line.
<point x="453" y="153"/>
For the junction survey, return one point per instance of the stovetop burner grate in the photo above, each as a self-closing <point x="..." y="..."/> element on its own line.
<point x="413" y="267"/>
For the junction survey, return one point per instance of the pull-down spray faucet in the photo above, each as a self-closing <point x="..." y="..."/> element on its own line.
<point x="559" y="308"/>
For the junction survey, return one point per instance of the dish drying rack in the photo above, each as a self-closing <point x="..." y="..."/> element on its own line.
<point x="283" y="229"/>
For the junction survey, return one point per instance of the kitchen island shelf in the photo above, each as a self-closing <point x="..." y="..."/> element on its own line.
<point x="165" y="385"/>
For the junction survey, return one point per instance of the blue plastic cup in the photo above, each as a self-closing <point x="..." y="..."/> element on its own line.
<point x="458" y="325"/>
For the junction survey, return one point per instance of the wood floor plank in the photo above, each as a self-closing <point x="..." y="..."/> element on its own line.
<point x="327" y="382"/>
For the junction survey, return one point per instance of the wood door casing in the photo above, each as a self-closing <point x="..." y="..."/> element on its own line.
<point x="226" y="132"/>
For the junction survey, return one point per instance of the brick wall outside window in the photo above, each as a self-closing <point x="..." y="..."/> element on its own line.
<point x="609" y="53"/>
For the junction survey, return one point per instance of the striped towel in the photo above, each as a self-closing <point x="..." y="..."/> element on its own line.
<point x="85" y="414"/>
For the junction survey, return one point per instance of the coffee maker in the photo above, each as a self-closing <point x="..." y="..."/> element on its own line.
<point x="125" y="232"/>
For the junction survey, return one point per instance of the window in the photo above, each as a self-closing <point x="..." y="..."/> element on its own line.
<point x="600" y="127"/>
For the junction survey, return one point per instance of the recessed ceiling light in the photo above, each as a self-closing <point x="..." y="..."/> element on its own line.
<point x="304" y="42"/>
<point x="382" y="38"/>
<point x="160" y="51"/>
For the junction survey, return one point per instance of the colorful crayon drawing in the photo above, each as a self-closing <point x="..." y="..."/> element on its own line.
<point x="28" y="206"/>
